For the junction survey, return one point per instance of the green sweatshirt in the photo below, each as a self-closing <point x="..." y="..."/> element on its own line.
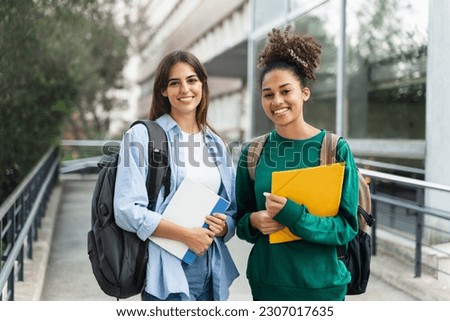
<point x="307" y="269"/>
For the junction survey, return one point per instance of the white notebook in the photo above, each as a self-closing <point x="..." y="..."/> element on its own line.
<point x="188" y="207"/>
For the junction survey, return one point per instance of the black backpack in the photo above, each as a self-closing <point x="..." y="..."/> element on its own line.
<point x="359" y="250"/>
<point x="119" y="258"/>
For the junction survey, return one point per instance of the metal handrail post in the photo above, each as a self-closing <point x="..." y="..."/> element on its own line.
<point x="10" y="240"/>
<point x="419" y="234"/>
<point x="373" y="190"/>
<point x="22" y="219"/>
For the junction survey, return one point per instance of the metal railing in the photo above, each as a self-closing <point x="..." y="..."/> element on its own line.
<point x="389" y="167"/>
<point x="410" y="200"/>
<point x="20" y="218"/>
<point x="414" y="206"/>
<point x="82" y="156"/>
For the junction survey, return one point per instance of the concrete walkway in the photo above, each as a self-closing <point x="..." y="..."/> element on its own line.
<point x="63" y="271"/>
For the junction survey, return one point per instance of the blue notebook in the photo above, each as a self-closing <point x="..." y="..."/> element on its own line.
<point x="190" y="204"/>
<point x="221" y="206"/>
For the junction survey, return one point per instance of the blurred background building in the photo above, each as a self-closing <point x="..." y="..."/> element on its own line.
<point x="380" y="62"/>
<point x="371" y="86"/>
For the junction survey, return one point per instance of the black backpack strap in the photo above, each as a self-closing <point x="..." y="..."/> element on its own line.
<point x="158" y="159"/>
<point x="367" y="217"/>
<point x="253" y="153"/>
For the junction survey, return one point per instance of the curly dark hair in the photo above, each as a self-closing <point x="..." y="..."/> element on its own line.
<point x="286" y="50"/>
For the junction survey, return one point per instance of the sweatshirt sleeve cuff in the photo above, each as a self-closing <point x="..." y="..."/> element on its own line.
<point x="290" y="213"/>
<point x="246" y="231"/>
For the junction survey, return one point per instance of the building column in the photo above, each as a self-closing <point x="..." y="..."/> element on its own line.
<point x="437" y="157"/>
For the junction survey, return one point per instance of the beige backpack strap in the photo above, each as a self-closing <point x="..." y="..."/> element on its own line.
<point x="328" y="149"/>
<point x="254" y="151"/>
<point x="328" y="156"/>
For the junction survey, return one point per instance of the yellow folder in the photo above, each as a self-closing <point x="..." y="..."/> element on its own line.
<point x="318" y="188"/>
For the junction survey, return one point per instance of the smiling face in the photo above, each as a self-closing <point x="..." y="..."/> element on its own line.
<point x="283" y="97"/>
<point x="184" y="90"/>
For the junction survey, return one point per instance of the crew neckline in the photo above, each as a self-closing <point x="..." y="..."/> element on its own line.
<point x="277" y="136"/>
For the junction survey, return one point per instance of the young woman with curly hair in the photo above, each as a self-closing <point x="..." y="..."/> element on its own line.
<point x="309" y="268"/>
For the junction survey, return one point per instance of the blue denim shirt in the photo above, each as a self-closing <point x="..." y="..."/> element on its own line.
<point x="165" y="273"/>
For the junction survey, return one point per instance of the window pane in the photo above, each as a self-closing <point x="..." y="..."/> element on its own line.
<point x="323" y="24"/>
<point x="267" y="11"/>
<point x="386" y="68"/>
<point x="262" y="124"/>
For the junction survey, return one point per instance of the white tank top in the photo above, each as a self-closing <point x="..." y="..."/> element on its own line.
<point x="199" y="165"/>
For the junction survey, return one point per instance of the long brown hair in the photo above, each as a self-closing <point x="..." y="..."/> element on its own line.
<point x="161" y="105"/>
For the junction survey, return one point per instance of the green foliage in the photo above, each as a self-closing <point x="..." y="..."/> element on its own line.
<point x="57" y="58"/>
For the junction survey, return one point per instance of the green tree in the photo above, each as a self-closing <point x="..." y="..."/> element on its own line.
<point x="57" y="57"/>
<point x="97" y="56"/>
<point x="35" y="91"/>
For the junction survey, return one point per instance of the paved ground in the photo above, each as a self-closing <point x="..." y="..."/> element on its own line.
<point x="68" y="274"/>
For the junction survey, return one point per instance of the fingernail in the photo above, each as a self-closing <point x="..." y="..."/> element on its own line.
<point x="266" y="194"/>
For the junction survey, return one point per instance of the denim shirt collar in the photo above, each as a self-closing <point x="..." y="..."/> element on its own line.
<point x="170" y="126"/>
<point x="216" y="148"/>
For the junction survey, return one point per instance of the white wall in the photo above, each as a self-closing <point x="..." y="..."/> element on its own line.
<point x="437" y="164"/>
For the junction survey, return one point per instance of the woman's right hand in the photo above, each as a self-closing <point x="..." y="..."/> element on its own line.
<point x="263" y="222"/>
<point x="199" y="239"/>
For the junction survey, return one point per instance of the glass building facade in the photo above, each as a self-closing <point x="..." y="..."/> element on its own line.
<point x="372" y="78"/>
